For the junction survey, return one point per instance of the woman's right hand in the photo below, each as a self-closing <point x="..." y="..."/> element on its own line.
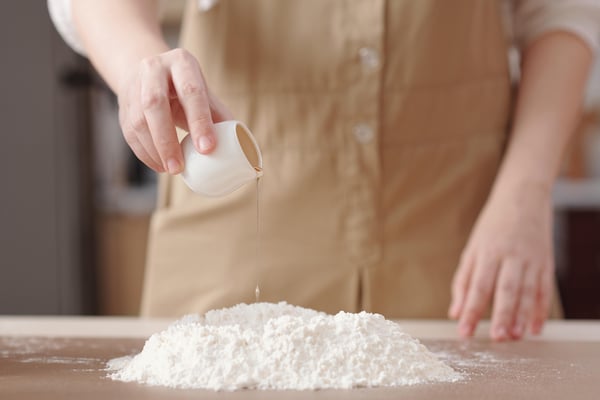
<point x="162" y="92"/>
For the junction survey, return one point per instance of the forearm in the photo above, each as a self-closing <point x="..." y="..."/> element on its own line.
<point x="554" y="73"/>
<point x="118" y="34"/>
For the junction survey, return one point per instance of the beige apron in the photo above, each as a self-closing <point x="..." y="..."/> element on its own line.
<point x="382" y="125"/>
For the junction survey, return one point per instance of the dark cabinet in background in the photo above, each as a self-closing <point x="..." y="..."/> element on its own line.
<point x="580" y="280"/>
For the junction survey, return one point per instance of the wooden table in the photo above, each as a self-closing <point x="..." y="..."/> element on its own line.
<point x="64" y="358"/>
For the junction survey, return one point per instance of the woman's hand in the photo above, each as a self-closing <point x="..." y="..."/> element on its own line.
<point x="509" y="256"/>
<point x="163" y="92"/>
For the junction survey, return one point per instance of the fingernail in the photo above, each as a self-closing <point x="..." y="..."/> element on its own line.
<point x="205" y="143"/>
<point x="453" y="310"/>
<point x="517" y="331"/>
<point x="173" y="166"/>
<point x="465" y="329"/>
<point x="500" y="332"/>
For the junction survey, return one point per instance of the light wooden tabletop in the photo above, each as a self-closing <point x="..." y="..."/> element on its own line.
<point x="129" y="327"/>
<point x="65" y="357"/>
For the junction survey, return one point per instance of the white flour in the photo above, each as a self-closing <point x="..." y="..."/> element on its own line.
<point x="279" y="346"/>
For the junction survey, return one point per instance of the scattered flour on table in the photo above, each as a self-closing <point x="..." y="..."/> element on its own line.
<point x="280" y="346"/>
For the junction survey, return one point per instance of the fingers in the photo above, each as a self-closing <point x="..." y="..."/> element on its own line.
<point x="522" y="296"/>
<point x="513" y="255"/>
<point x="543" y="299"/>
<point x="526" y="304"/>
<point x="157" y="112"/>
<point x="479" y="294"/>
<point x="168" y="90"/>
<point x="460" y="285"/>
<point x="508" y="289"/>
<point x="134" y="133"/>
<point x="193" y="96"/>
<point x="141" y="153"/>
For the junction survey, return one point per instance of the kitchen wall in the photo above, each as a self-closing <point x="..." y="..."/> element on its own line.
<point x="46" y="262"/>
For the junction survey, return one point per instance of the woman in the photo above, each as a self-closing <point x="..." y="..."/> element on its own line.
<point x="388" y="154"/>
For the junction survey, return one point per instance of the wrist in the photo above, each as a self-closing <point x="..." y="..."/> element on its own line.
<point x="526" y="169"/>
<point x="522" y="191"/>
<point x="117" y="35"/>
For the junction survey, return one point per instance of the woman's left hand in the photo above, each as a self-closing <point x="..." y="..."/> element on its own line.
<point x="509" y="256"/>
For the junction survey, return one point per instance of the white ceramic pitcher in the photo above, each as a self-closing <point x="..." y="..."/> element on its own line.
<point x="236" y="160"/>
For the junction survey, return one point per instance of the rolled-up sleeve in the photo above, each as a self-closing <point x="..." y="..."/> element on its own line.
<point x="533" y="18"/>
<point x="60" y="13"/>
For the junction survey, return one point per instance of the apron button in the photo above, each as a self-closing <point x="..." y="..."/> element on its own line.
<point x="363" y="133"/>
<point x="369" y="57"/>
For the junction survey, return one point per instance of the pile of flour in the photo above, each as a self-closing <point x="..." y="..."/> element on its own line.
<point x="280" y="346"/>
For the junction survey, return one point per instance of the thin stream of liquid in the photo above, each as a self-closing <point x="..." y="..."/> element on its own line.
<point x="257" y="267"/>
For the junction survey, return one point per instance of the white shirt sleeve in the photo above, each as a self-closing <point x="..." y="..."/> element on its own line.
<point x="205" y="5"/>
<point x="60" y="13"/>
<point x="62" y="17"/>
<point x="532" y="18"/>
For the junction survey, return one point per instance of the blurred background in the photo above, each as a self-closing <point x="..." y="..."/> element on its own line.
<point x="76" y="203"/>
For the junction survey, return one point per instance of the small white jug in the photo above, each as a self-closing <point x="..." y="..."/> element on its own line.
<point x="236" y="160"/>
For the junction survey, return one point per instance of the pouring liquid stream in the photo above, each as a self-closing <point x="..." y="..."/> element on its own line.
<point x="257" y="266"/>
